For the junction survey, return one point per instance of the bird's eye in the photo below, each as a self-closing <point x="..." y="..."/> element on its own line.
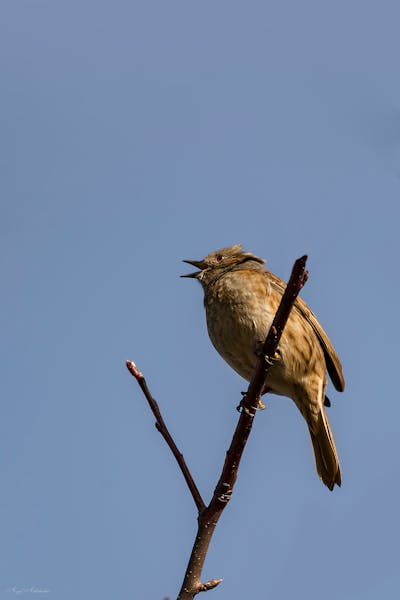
<point x="219" y="257"/>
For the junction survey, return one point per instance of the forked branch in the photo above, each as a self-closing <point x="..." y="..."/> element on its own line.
<point x="209" y="515"/>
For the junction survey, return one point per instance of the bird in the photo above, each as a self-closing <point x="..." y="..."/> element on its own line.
<point x="241" y="298"/>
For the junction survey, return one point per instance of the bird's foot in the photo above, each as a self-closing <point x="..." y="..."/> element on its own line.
<point x="242" y="406"/>
<point x="272" y="359"/>
<point x="268" y="359"/>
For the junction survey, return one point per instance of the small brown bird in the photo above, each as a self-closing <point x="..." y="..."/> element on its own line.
<point x="241" y="298"/>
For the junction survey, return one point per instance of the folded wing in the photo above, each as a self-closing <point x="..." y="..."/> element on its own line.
<point x="333" y="363"/>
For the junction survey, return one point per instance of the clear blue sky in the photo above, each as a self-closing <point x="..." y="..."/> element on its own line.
<point x="137" y="134"/>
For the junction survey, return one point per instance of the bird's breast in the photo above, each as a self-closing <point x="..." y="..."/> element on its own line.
<point x="240" y="310"/>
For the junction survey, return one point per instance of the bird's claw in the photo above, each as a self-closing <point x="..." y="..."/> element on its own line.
<point x="243" y="408"/>
<point x="271" y="359"/>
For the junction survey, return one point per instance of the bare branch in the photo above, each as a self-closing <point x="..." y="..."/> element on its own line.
<point x="209" y="515"/>
<point x="162" y="428"/>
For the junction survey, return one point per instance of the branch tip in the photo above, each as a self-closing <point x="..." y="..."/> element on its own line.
<point x="133" y="370"/>
<point x="208" y="585"/>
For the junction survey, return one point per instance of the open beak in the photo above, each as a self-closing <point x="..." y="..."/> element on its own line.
<point x="195" y="263"/>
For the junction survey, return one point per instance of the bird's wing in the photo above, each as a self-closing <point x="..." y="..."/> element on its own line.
<point x="333" y="363"/>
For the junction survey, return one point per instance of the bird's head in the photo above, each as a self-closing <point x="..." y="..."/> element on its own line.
<point x="219" y="262"/>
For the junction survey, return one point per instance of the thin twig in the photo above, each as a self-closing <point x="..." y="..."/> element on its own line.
<point x="162" y="428"/>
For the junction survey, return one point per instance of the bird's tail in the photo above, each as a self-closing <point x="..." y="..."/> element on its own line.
<point x="326" y="456"/>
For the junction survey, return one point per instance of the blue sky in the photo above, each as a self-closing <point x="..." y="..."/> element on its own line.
<point x="137" y="134"/>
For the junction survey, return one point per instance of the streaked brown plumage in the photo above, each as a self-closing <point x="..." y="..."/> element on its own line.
<point x="241" y="299"/>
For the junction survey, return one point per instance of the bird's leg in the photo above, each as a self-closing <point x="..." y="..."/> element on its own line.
<point x="270" y="361"/>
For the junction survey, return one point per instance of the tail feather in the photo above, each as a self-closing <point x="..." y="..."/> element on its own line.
<point x="326" y="456"/>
